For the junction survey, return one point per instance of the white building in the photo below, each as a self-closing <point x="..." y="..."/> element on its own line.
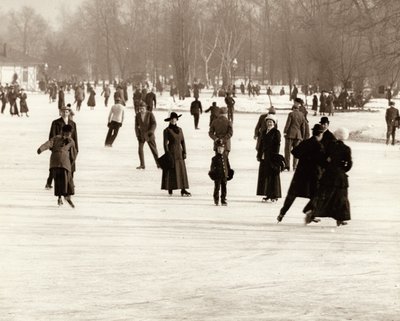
<point x="15" y="62"/>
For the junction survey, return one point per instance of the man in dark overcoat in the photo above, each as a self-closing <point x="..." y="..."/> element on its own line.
<point x="230" y="103"/>
<point x="305" y="179"/>
<point x="145" y="125"/>
<point x="392" y="121"/>
<point x="195" y="110"/>
<point x="294" y="132"/>
<point x="61" y="98"/>
<point x="214" y="112"/>
<point x="327" y="137"/>
<point x="151" y="100"/>
<point x="221" y="130"/>
<point x="137" y="98"/>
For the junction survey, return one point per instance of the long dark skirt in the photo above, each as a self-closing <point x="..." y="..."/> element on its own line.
<point x="63" y="182"/>
<point x="23" y="107"/>
<point x="175" y="178"/>
<point x="332" y="201"/>
<point x="269" y="182"/>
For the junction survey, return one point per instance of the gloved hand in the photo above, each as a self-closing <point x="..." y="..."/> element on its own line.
<point x="39" y="151"/>
<point x="183" y="155"/>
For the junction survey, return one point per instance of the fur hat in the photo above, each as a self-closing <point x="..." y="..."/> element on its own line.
<point x="270" y="117"/>
<point x="223" y="110"/>
<point x="172" y="116"/>
<point x="341" y="133"/>
<point x="391" y="103"/>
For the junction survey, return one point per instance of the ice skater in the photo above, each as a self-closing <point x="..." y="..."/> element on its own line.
<point x="115" y="120"/>
<point x="63" y="155"/>
<point x="311" y="156"/>
<point x="331" y="199"/>
<point x="145" y="125"/>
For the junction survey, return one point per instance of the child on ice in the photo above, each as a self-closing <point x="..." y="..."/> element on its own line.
<point x="220" y="172"/>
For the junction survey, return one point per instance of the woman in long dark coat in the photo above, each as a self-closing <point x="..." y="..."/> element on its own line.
<point x="269" y="182"/>
<point x="332" y="197"/>
<point x="174" y="144"/>
<point x="315" y="104"/>
<point x="23" y="106"/>
<point x="91" y="101"/>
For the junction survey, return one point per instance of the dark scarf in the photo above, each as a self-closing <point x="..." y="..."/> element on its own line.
<point x="175" y="128"/>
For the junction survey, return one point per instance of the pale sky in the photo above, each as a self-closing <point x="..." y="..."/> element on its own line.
<point x="49" y="9"/>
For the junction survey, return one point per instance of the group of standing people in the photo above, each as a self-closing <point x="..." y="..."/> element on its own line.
<point x="10" y="94"/>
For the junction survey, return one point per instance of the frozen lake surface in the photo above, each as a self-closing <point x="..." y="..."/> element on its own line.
<point x="130" y="252"/>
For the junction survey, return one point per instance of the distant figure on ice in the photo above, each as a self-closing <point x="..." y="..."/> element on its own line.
<point x="175" y="177"/>
<point x="79" y="96"/>
<point x="392" y="121"/>
<point x="294" y="93"/>
<point x="12" y="99"/>
<point x="220" y="172"/>
<point x="56" y="129"/>
<point x="305" y="179"/>
<point x="151" y="100"/>
<point x="331" y="199"/>
<point x="23" y="106"/>
<point x="3" y="98"/>
<point x="107" y="93"/>
<point x="213" y="110"/>
<point x="269" y="182"/>
<point x="91" y="100"/>
<point x="315" y="104"/>
<point x="61" y="98"/>
<point x="282" y="91"/>
<point x="195" y="110"/>
<point x="115" y="120"/>
<point x="230" y="103"/>
<point x="63" y="155"/>
<point x="221" y="130"/>
<point x="145" y="126"/>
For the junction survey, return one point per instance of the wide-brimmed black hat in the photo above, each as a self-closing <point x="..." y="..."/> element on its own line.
<point x="172" y="116"/>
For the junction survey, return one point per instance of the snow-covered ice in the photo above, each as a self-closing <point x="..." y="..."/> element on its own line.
<point x="130" y="252"/>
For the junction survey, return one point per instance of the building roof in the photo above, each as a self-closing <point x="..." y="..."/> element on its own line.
<point x="11" y="57"/>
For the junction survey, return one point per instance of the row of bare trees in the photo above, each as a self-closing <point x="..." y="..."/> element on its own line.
<point x="351" y="43"/>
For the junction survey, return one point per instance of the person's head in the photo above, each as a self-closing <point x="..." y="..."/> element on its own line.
<point x="317" y="131"/>
<point x="298" y="102"/>
<point x="65" y="111"/>
<point x="341" y="133"/>
<point x="220" y="147"/>
<point x="214" y="104"/>
<point x="324" y="122"/>
<point x="270" y="121"/>
<point x="142" y="107"/>
<point x="173" y="118"/>
<point x="223" y="110"/>
<point x="272" y="110"/>
<point x="66" y="131"/>
<point x="391" y="103"/>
